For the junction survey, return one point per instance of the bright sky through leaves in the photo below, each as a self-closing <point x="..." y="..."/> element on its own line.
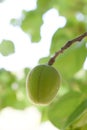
<point x="26" y="53"/>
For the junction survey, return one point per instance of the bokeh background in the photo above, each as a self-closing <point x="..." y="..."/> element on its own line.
<point x="31" y="31"/>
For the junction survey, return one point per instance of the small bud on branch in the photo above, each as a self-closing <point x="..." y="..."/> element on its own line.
<point x="66" y="46"/>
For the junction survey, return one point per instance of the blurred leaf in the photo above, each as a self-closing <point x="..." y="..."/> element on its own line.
<point x="26" y="71"/>
<point x="60" y="110"/>
<point x="43" y="110"/>
<point x="15" y="22"/>
<point x="79" y="84"/>
<point x="44" y="5"/>
<point x="77" y="114"/>
<point x="8" y="98"/>
<point x="84" y="127"/>
<point x="12" y="91"/>
<point x="69" y="8"/>
<point x="81" y="121"/>
<point x="44" y="60"/>
<point x="66" y="34"/>
<point x="31" y="24"/>
<point x="6" y="77"/>
<point x="71" y="61"/>
<point x="7" y="47"/>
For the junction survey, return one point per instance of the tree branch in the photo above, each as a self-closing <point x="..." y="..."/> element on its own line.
<point x="66" y="46"/>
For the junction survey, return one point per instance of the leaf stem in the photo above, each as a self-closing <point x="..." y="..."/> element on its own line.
<point x="66" y="46"/>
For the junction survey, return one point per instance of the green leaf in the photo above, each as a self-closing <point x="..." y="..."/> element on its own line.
<point x="67" y="33"/>
<point x="77" y="114"/>
<point x="69" y="8"/>
<point x="7" y="47"/>
<point x="44" y="60"/>
<point x="81" y="121"/>
<point x="15" y="22"/>
<point x="12" y="90"/>
<point x="79" y="84"/>
<point x="60" y="110"/>
<point x="44" y="5"/>
<point x="84" y="127"/>
<point x="71" y="61"/>
<point x="31" y="24"/>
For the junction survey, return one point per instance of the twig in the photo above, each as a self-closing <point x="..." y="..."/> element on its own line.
<point x="67" y="45"/>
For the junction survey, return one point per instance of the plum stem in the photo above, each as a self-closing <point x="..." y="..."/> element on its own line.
<point x="67" y="45"/>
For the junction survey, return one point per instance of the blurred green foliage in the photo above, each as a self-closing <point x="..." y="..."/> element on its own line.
<point x="12" y="90"/>
<point x="69" y="109"/>
<point x="5" y="44"/>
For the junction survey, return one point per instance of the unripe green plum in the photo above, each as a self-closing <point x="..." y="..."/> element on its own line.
<point x="42" y="84"/>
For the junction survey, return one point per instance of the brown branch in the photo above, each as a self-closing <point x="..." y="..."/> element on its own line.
<point x="67" y="45"/>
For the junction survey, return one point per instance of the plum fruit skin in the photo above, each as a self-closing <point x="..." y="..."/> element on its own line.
<point x="42" y="84"/>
